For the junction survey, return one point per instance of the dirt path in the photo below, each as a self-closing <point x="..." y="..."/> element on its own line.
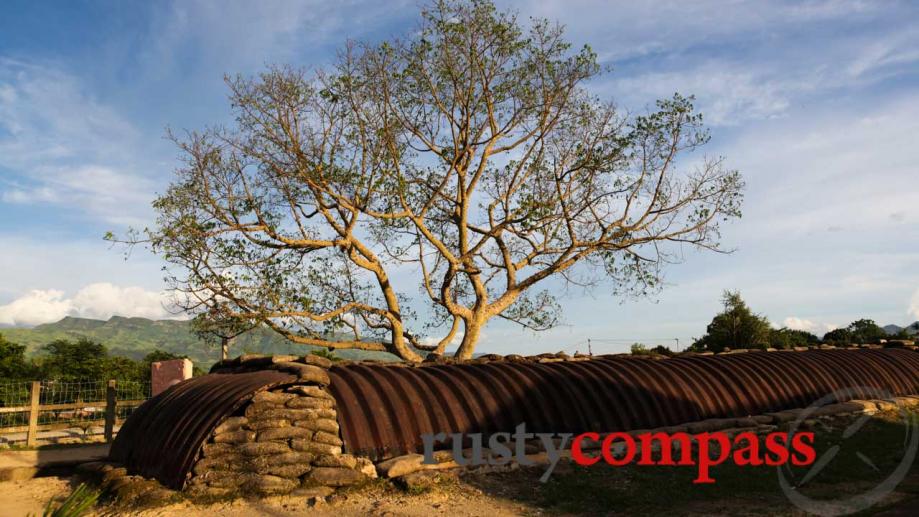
<point x="29" y="497"/>
<point x="21" y="498"/>
<point x="436" y="503"/>
<point x="41" y="457"/>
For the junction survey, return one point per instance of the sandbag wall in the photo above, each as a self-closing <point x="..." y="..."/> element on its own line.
<point x="276" y="424"/>
<point x="263" y="425"/>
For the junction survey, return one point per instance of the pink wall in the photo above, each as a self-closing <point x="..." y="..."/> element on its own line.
<point x="164" y="374"/>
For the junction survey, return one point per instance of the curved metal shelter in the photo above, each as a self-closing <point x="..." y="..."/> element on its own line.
<point x="163" y="436"/>
<point x="384" y="410"/>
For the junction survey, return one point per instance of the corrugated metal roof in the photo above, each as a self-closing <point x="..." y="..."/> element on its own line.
<point x="384" y="410"/>
<point x="162" y="438"/>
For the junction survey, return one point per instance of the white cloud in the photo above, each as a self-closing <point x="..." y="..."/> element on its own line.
<point x="628" y="29"/>
<point x="97" y="301"/>
<point x="457" y="339"/>
<point x="914" y="306"/>
<point x="879" y="58"/>
<point x="230" y="37"/>
<point x="727" y="94"/>
<point x="25" y="196"/>
<point x="819" y="329"/>
<point x="846" y="170"/>
<point x="35" y="307"/>
<point x="64" y="147"/>
<point x="103" y="300"/>
<point x="743" y="60"/>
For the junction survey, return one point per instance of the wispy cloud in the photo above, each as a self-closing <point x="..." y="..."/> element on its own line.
<point x="61" y="146"/>
<point x="813" y="101"/>
<point x="727" y="94"/>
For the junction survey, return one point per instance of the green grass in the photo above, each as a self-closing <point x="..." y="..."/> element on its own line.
<point x="80" y="501"/>
<point x="635" y="490"/>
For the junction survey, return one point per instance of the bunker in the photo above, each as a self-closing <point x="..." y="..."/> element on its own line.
<point x="273" y="424"/>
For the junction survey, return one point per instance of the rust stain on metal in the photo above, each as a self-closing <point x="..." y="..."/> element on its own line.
<point x="384" y="410"/>
<point x="163" y="437"/>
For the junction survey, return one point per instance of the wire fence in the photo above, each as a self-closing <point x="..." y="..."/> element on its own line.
<point x="84" y="404"/>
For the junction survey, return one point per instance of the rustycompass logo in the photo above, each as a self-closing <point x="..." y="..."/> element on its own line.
<point x="702" y="451"/>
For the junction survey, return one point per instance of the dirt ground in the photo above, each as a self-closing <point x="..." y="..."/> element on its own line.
<point x="21" y="498"/>
<point x="29" y="497"/>
<point x="855" y="466"/>
<point x="50" y="455"/>
<point x="486" y="495"/>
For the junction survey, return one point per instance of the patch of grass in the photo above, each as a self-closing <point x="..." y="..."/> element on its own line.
<point x="76" y="504"/>
<point x="651" y="490"/>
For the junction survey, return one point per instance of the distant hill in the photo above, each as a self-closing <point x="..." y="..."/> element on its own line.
<point x="136" y="337"/>
<point x="911" y="329"/>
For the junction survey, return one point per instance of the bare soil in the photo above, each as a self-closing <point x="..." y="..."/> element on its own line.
<point x="29" y="497"/>
<point x="863" y="461"/>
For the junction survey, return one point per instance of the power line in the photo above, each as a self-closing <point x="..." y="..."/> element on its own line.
<point x="633" y="340"/>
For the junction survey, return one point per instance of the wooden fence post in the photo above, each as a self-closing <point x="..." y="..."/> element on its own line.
<point x="35" y="399"/>
<point x="110" y="402"/>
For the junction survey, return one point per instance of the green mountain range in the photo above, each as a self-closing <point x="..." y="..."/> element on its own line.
<point x="136" y="337"/>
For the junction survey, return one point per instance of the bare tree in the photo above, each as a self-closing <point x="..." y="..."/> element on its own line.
<point x="470" y="155"/>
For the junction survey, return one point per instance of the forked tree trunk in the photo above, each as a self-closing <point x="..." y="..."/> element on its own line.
<point x="471" y="330"/>
<point x="400" y="346"/>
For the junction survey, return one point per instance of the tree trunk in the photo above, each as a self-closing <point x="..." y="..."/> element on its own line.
<point x="400" y="347"/>
<point x="471" y="330"/>
<point x="224" y="348"/>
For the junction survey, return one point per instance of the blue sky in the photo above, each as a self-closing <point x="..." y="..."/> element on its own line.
<point x="817" y="103"/>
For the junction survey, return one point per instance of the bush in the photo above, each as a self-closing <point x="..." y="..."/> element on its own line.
<point x="77" y="503"/>
<point x="785" y="338"/>
<point x="735" y="327"/>
<point x="860" y="331"/>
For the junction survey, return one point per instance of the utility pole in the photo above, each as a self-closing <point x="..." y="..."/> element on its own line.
<point x="590" y="351"/>
<point x="677" y="344"/>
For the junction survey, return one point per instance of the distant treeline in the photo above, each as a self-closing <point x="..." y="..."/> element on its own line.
<point x="738" y="327"/>
<point x="79" y="359"/>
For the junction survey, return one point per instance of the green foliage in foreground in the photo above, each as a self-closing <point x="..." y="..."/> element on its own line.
<point x="77" y="503"/>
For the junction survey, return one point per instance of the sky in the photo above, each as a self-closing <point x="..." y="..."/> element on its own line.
<point x="815" y="102"/>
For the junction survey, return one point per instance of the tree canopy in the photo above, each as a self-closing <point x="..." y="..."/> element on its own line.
<point x="81" y="359"/>
<point x="734" y="327"/>
<point x="785" y="338"/>
<point x="469" y="154"/>
<point x="13" y="363"/>
<point x="860" y="331"/>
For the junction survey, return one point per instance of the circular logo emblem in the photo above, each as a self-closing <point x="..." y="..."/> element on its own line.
<point x="867" y="498"/>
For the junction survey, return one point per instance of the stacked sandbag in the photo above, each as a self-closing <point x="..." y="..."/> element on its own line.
<point x="283" y="440"/>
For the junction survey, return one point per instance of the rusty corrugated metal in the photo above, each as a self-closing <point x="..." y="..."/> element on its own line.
<point x="383" y="410"/>
<point x="163" y="436"/>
